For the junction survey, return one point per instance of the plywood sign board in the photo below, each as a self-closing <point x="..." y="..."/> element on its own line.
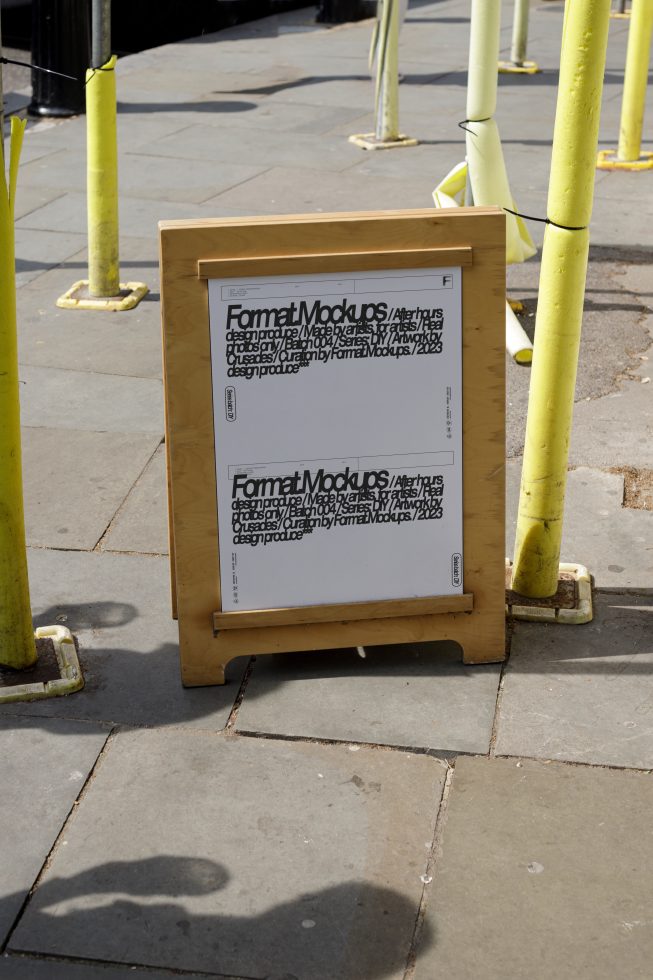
<point x="335" y="432"/>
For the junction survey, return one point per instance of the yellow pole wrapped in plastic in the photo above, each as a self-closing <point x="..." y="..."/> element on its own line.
<point x="486" y="167"/>
<point x="484" y="171"/>
<point x="519" y="32"/>
<point x="560" y="299"/>
<point x="103" y="289"/>
<point x="102" y="181"/>
<point x="387" y="89"/>
<point x="518" y="63"/>
<point x="17" y="646"/>
<point x="384" y="54"/>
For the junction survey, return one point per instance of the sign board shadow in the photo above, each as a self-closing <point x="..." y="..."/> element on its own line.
<point x="335" y="432"/>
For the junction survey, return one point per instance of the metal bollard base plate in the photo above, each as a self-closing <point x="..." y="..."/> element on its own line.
<point x="70" y="680"/>
<point x="368" y="141"/>
<point x="607" y="160"/>
<point x="571" y="604"/>
<point x="511" y="68"/>
<point x="79" y="298"/>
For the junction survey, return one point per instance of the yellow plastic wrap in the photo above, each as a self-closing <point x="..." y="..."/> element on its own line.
<point x="483" y="58"/>
<point x="489" y="185"/>
<point x="17" y="647"/>
<point x="487" y="170"/>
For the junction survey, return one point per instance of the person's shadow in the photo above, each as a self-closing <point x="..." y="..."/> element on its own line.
<point x="161" y="912"/>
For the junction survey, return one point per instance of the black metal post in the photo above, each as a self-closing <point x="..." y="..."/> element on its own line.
<point x="60" y="42"/>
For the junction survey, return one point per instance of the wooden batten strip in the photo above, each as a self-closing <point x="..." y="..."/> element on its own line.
<point x="343" y="612"/>
<point x="321" y="262"/>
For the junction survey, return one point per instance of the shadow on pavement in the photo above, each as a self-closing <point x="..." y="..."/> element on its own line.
<point x="619" y="639"/>
<point x="91" y="615"/>
<point x="633" y="255"/>
<point x="28" y="265"/>
<point x="211" y="106"/>
<point x="546" y="78"/>
<point x="437" y="20"/>
<point x="134" y="912"/>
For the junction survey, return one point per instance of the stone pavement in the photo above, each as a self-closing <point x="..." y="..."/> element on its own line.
<point x="321" y="816"/>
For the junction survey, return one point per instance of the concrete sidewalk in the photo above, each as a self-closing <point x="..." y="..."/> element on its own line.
<point x="321" y="817"/>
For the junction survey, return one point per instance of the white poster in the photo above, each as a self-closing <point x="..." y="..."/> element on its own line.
<point x="338" y="442"/>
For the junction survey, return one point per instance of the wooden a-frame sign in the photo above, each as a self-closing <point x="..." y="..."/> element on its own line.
<point x="335" y="432"/>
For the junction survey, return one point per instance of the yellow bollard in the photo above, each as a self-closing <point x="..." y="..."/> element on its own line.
<point x="102" y="180"/>
<point x="518" y="63"/>
<point x="103" y="289"/>
<point x="560" y="301"/>
<point x="17" y="646"/>
<point x="629" y="155"/>
<point x="385" y="52"/>
<point x="519" y="32"/>
<point x="387" y="84"/>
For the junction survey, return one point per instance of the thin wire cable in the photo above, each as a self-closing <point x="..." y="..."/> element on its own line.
<point x="518" y="214"/>
<point x="461" y="124"/>
<point x="94" y="70"/>
<point x="545" y="221"/>
<point x="48" y="71"/>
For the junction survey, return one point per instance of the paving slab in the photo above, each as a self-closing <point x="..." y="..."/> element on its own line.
<point x="142" y="522"/>
<point x="299" y="189"/>
<point x="37" y="251"/>
<point x="603" y="432"/>
<point x="13" y="967"/>
<point x="636" y="276"/>
<point x="142" y="176"/>
<point x="277" y="148"/>
<point x="126" y="343"/>
<point x="43" y="766"/>
<point x="92" y="402"/>
<point x="29" y="199"/>
<point x="73" y="487"/>
<point x="431" y="160"/>
<point x="352" y="90"/>
<point x="178" y="80"/>
<point x="606" y="401"/>
<point x="118" y="606"/>
<point x="259" y="79"/>
<point x="32" y="149"/>
<point x="438" y="130"/>
<point x="221" y="111"/>
<point x="615" y="221"/>
<point x="206" y="51"/>
<point x="613" y="541"/>
<point x="544" y="872"/>
<point x="583" y="693"/>
<point x="69" y="134"/>
<point x="139" y="217"/>
<point x="410" y="695"/>
<point x="252" y="857"/>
